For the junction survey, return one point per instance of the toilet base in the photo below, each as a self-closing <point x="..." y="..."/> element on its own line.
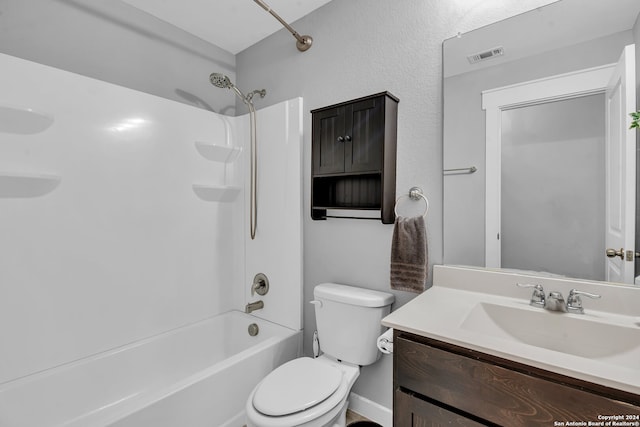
<point x="341" y="421"/>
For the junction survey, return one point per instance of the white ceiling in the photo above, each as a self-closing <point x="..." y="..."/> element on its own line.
<point x="233" y="25"/>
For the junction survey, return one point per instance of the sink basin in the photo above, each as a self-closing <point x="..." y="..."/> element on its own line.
<point x="483" y="310"/>
<point x="570" y="334"/>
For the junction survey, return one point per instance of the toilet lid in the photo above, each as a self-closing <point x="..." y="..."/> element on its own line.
<point x="295" y="386"/>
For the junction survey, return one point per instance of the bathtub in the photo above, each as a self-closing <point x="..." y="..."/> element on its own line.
<point x="196" y="375"/>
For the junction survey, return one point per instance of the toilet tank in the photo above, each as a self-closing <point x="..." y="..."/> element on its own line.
<point x="348" y="321"/>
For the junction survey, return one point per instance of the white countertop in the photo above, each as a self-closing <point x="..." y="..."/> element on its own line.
<point x="440" y="313"/>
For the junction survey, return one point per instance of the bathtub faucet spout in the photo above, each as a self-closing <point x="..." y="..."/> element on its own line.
<point x="253" y="306"/>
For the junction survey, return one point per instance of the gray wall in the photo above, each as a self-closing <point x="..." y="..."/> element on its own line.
<point x="363" y="47"/>
<point x="117" y="43"/>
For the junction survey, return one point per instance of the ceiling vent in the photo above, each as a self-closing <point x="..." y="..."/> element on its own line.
<point x="488" y="54"/>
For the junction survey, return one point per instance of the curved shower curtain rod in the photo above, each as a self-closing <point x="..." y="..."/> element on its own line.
<point x="303" y="42"/>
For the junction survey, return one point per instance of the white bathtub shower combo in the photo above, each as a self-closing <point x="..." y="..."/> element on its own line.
<point x="125" y="259"/>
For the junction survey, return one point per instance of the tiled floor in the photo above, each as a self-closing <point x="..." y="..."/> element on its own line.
<point x="352" y="417"/>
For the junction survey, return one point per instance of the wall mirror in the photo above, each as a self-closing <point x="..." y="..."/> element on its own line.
<point x="531" y="179"/>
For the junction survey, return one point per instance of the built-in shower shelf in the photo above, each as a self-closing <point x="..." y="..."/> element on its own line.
<point x="218" y="153"/>
<point x="216" y="193"/>
<point x="23" y="121"/>
<point x="19" y="185"/>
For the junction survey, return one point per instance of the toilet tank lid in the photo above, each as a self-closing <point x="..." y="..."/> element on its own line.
<point x="353" y="295"/>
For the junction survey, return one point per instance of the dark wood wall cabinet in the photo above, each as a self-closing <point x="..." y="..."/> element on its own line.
<point x="437" y="383"/>
<point x="354" y="156"/>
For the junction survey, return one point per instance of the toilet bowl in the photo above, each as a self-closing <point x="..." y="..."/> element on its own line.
<point x="303" y="392"/>
<point x="308" y="392"/>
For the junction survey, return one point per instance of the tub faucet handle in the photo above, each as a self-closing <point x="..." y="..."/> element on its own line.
<point x="537" y="298"/>
<point x="260" y="285"/>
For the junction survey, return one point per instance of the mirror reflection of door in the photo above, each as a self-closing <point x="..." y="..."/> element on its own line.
<point x="569" y="39"/>
<point x="621" y="170"/>
<point x="553" y="187"/>
<point x="560" y="181"/>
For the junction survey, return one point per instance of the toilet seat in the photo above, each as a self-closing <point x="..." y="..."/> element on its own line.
<point x="297" y="385"/>
<point x="317" y="415"/>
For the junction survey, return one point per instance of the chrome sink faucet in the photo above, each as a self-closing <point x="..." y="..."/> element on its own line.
<point x="555" y="301"/>
<point x="537" y="298"/>
<point x="574" y="303"/>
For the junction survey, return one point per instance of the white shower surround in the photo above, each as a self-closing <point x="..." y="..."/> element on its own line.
<point x="117" y="228"/>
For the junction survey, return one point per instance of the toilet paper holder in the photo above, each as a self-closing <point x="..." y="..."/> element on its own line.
<point x="385" y="342"/>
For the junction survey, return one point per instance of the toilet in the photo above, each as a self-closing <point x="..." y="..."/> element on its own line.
<point x="313" y="392"/>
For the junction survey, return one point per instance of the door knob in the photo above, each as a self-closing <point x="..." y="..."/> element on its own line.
<point x="611" y="253"/>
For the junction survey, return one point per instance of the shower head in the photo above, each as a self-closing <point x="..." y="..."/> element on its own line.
<point x="220" y="80"/>
<point x="223" y="82"/>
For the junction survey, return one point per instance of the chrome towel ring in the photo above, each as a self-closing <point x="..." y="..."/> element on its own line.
<point x="415" y="193"/>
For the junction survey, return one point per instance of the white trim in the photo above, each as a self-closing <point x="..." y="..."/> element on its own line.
<point x="494" y="101"/>
<point x="549" y="88"/>
<point x="370" y="409"/>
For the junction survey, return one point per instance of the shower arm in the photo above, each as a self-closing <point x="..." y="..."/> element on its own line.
<point x="303" y="42"/>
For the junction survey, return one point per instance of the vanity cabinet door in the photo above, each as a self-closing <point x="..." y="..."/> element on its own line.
<point x="411" y="411"/>
<point x="497" y="390"/>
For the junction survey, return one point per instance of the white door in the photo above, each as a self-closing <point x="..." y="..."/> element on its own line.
<point x="620" y="171"/>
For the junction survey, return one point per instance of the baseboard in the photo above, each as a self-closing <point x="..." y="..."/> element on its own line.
<point x="370" y="409"/>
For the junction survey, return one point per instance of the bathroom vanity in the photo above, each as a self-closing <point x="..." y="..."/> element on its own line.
<point x="471" y="351"/>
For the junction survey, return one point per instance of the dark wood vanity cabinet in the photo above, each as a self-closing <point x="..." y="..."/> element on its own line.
<point x="436" y="383"/>
<point x="354" y="156"/>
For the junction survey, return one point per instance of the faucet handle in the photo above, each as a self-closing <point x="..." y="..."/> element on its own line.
<point x="537" y="298"/>
<point x="529" y="285"/>
<point x="574" y="302"/>
<point x="260" y="285"/>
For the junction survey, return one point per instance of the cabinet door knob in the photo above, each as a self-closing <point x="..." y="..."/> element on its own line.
<point x="340" y="139"/>
<point x="347" y="138"/>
